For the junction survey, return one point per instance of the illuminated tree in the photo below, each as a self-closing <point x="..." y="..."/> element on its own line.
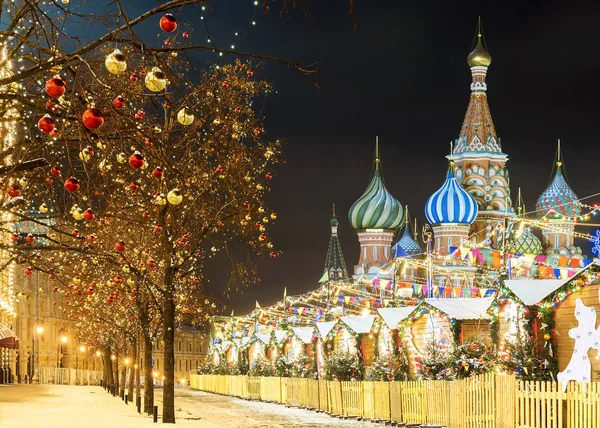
<point x="153" y="168"/>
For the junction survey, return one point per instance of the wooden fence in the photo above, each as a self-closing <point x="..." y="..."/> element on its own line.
<point x="486" y="401"/>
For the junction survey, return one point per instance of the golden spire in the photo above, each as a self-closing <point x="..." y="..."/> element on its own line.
<point x="479" y="57"/>
<point x="559" y="161"/>
<point x="520" y="204"/>
<point x="415" y="233"/>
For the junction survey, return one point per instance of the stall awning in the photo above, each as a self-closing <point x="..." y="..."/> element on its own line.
<point x="8" y="338"/>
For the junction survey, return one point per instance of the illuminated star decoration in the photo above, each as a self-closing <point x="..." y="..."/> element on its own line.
<point x="595" y="240"/>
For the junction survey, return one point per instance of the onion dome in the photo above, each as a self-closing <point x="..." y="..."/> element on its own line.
<point x="558" y="200"/>
<point x="479" y="57"/>
<point x="451" y="204"/>
<point x="527" y="243"/>
<point x="376" y="208"/>
<point x="406" y="246"/>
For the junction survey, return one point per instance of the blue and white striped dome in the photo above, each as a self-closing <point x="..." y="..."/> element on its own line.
<point x="451" y="204"/>
<point x="406" y="246"/>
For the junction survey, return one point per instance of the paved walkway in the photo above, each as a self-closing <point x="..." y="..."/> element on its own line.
<point x="56" y="406"/>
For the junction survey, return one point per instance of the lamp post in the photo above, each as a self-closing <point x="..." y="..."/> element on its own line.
<point x="63" y="340"/>
<point x="39" y="330"/>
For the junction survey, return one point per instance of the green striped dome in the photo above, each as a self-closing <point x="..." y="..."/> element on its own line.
<point x="527" y="243"/>
<point x="376" y="208"/>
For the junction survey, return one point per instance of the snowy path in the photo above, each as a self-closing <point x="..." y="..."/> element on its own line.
<point x="51" y="406"/>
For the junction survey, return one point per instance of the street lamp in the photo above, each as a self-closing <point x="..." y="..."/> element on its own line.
<point x="63" y="339"/>
<point x="39" y="329"/>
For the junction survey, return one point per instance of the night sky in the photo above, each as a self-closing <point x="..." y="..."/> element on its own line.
<point x="402" y="74"/>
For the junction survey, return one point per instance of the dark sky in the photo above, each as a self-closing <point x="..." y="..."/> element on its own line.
<point x="402" y="75"/>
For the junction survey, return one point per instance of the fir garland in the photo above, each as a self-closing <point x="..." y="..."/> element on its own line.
<point x="456" y="327"/>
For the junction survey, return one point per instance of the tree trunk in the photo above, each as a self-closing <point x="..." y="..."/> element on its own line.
<point x="137" y="366"/>
<point x="148" y="378"/>
<point x="107" y="368"/>
<point x="116" y="369"/>
<point x="169" y="357"/>
<point x="124" y="378"/>
<point x="132" y="370"/>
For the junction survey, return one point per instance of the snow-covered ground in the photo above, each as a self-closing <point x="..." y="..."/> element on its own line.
<point x="55" y="406"/>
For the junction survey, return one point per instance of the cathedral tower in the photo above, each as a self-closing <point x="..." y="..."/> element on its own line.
<point x="559" y="205"/>
<point x="479" y="164"/>
<point x="376" y="216"/>
<point x="335" y="265"/>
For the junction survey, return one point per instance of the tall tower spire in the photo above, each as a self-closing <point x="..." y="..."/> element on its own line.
<point x="479" y="163"/>
<point x="335" y="265"/>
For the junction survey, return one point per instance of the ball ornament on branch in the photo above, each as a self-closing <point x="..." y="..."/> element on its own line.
<point x="119" y="102"/>
<point x="156" y="80"/>
<point x="86" y="154"/>
<point x="92" y="118"/>
<point x="88" y="214"/>
<point x="14" y="190"/>
<point x="28" y="271"/>
<point x="115" y="62"/>
<point x="120" y="246"/>
<point x="168" y="23"/>
<point x="175" y="197"/>
<point x="136" y="160"/>
<point x="77" y="213"/>
<point x="55" y="171"/>
<point x="158" y="172"/>
<point x="55" y="87"/>
<point x="160" y="200"/>
<point x="72" y="185"/>
<point x="46" y="124"/>
<point x="185" y="117"/>
<point x="43" y="208"/>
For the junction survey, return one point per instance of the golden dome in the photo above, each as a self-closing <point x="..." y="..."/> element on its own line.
<point x="479" y="57"/>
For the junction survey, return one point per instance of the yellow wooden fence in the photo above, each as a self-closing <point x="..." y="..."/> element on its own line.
<point x="486" y="401"/>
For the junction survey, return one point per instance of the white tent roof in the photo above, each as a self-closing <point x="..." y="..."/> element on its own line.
<point x="393" y="316"/>
<point x="245" y="340"/>
<point x="324" y="327"/>
<point x="305" y="334"/>
<point x="463" y="308"/>
<point x="531" y="291"/>
<point x="280" y="335"/>
<point x="359" y="324"/>
<point x="263" y="337"/>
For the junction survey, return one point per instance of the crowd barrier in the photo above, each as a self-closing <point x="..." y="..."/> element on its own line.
<point x="62" y="376"/>
<point x="485" y="401"/>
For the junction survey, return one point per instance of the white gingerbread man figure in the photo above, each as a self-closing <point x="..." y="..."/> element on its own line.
<point x="587" y="337"/>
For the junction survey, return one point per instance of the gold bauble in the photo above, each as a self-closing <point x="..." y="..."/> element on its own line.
<point x="156" y="80"/>
<point x="115" y="62"/>
<point x="185" y="117"/>
<point x="175" y="197"/>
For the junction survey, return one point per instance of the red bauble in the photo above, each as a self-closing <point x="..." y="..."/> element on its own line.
<point x="15" y="238"/>
<point x="133" y="78"/>
<point x="150" y="263"/>
<point x="88" y="214"/>
<point x="55" y="289"/>
<point x="75" y="233"/>
<point x="90" y="291"/>
<point x="29" y="238"/>
<point x="46" y="124"/>
<point x="246" y="205"/>
<point x="91" y="239"/>
<point x="72" y="184"/>
<point x="55" y="87"/>
<point x="168" y="23"/>
<point x="109" y="300"/>
<point x="55" y="171"/>
<point x="28" y="271"/>
<point x="148" y="143"/>
<point x="92" y="118"/>
<point x="158" y="172"/>
<point x="219" y="169"/>
<point x="268" y="176"/>
<point x="272" y="255"/>
<point x="120" y="246"/>
<point x="136" y="160"/>
<point x="250" y="73"/>
<point x="225" y="84"/>
<point x="119" y="102"/>
<point x="158" y="228"/>
<point x="14" y="190"/>
<point x="185" y="34"/>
